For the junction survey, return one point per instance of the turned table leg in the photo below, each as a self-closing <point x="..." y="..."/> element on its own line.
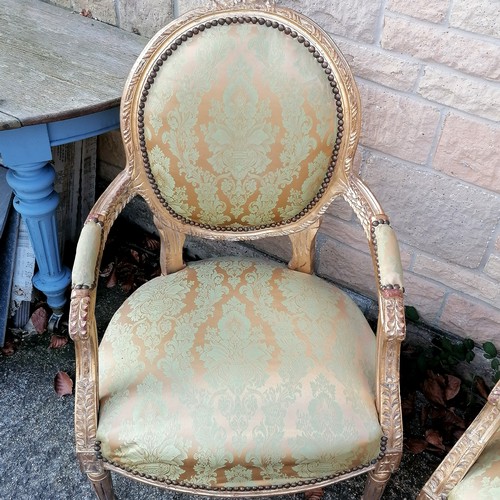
<point x="36" y="201"/>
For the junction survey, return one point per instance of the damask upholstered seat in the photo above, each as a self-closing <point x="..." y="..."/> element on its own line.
<point x="471" y="470"/>
<point x="238" y="376"/>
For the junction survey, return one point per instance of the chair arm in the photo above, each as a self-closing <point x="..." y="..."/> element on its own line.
<point x="391" y="327"/>
<point x="466" y="451"/>
<point x="82" y="324"/>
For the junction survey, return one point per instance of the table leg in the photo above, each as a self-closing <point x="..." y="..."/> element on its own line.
<point x="36" y="200"/>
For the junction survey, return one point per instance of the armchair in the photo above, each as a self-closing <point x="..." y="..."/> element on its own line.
<point x="472" y="467"/>
<point x="237" y="376"/>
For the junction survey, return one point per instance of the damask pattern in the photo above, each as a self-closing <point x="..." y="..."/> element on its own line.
<point x="240" y="125"/>
<point x="482" y="482"/>
<point x="238" y="372"/>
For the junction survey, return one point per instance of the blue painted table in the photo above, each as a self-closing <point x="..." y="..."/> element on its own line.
<point x="61" y="78"/>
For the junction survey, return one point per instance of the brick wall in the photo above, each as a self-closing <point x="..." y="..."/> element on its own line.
<point x="428" y="72"/>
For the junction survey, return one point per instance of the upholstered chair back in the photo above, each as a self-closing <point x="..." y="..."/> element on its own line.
<point x="240" y="121"/>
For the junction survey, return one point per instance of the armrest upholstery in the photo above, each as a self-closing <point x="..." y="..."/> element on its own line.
<point x="87" y="254"/>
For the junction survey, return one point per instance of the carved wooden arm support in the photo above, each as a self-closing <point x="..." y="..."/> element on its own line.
<point x="82" y="326"/>
<point x="466" y="451"/>
<point x="391" y="328"/>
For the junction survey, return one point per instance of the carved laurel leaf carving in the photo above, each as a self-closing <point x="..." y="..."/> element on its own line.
<point x="79" y="314"/>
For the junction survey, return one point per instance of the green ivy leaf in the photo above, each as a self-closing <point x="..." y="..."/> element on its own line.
<point x="496" y="377"/>
<point x="469" y="356"/>
<point x="469" y="343"/>
<point x="411" y="313"/>
<point x="490" y="350"/>
<point x="495" y="363"/>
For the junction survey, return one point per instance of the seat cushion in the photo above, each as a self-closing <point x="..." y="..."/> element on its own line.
<point x="482" y="482"/>
<point x="238" y="372"/>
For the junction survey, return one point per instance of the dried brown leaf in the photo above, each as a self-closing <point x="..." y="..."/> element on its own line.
<point x="135" y="255"/>
<point x="424" y="413"/>
<point x="452" y="387"/>
<point x="104" y="273"/>
<point x="9" y="348"/>
<point x="151" y="243"/>
<point x="408" y="404"/>
<point x="63" y="384"/>
<point x="481" y="387"/>
<point x="112" y="279"/>
<point x="447" y="417"/>
<point x="434" y="438"/>
<point x="416" y="445"/>
<point x="58" y="341"/>
<point x="40" y="319"/>
<point x="433" y="388"/>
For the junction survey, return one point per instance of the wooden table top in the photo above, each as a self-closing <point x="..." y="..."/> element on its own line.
<point x="55" y="64"/>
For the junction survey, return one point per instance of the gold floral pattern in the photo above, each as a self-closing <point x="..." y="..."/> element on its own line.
<point x="250" y="373"/>
<point x="239" y="124"/>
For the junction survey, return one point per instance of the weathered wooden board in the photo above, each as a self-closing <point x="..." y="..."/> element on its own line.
<point x="55" y="64"/>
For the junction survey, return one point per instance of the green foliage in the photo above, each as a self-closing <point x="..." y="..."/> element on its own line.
<point x="446" y="354"/>
<point x="491" y="352"/>
<point x="411" y="314"/>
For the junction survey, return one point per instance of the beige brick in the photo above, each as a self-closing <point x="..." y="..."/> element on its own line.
<point x="351" y="234"/>
<point x="397" y="125"/>
<point x="430" y="10"/>
<point x="103" y="10"/>
<point x="469" y="150"/>
<point x="352" y="18"/>
<point x="492" y="268"/>
<point x="346" y="266"/>
<point x="458" y="278"/>
<point x="474" y="96"/>
<point x="425" y="296"/>
<point x="378" y="66"/>
<point x="478" y="16"/>
<point x="432" y="212"/>
<point x="468" y="318"/>
<point x="439" y="44"/>
<point x="145" y="17"/>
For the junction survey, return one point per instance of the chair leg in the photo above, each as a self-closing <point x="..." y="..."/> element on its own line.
<point x="316" y="494"/>
<point x="102" y="484"/>
<point x="375" y="484"/>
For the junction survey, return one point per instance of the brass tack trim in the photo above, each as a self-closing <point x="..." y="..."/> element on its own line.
<point x="169" y="52"/>
<point x="187" y="484"/>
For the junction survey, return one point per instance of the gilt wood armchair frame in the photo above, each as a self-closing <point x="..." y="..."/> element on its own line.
<point x="340" y="181"/>
<point x="466" y="451"/>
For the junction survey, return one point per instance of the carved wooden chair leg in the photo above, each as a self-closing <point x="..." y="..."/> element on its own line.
<point x="102" y="484"/>
<point x="378" y="477"/>
<point x="375" y="484"/>
<point x="316" y="494"/>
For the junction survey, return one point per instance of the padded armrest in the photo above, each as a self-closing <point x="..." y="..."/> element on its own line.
<point x="87" y="254"/>
<point x="388" y="259"/>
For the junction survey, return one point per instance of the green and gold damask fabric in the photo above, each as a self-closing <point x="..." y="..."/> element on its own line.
<point x="238" y="372"/>
<point x="482" y="482"/>
<point x="240" y="124"/>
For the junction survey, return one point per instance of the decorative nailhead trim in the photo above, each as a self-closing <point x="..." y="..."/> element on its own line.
<point x="302" y="482"/>
<point x="240" y="20"/>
